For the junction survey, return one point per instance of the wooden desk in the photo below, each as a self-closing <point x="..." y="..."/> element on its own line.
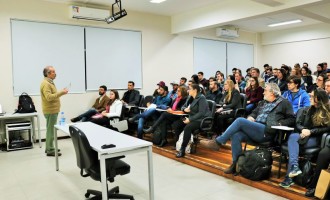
<point x="125" y="145"/>
<point x="31" y="116"/>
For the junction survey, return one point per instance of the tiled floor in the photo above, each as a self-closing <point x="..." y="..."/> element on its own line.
<point x="30" y="175"/>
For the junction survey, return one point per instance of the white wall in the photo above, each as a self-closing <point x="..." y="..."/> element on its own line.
<point x="165" y="56"/>
<point x="306" y="44"/>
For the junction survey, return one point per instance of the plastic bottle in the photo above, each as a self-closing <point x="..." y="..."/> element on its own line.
<point x="62" y="119"/>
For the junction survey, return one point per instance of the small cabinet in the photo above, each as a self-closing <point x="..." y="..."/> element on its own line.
<point x="19" y="135"/>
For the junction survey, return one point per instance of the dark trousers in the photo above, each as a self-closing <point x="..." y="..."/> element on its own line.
<point x="221" y="122"/>
<point x="322" y="162"/>
<point x="188" y="130"/>
<point x="162" y="122"/>
<point x="104" y="121"/>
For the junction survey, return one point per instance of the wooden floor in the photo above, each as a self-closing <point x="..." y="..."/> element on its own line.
<point x="216" y="161"/>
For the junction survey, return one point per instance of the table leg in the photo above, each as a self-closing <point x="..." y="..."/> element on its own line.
<point x="56" y="148"/>
<point x="103" y="178"/>
<point x="39" y="137"/>
<point x="151" y="175"/>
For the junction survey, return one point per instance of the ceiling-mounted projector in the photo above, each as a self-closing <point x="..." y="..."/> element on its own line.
<point x="115" y="16"/>
<point x="227" y="33"/>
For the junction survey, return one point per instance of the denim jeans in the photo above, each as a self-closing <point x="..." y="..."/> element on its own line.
<point x="293" y="147"/>
<point x="88" y="114"/>
<point x="243" y="130"/>
<point x="142" y="117"/>
<point x="250" y="107"/>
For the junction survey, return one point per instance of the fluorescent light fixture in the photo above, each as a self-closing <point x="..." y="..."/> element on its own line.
<point x="285" y="23"/>
<point x="157" y="1"/>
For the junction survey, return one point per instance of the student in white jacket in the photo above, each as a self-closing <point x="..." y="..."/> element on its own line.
<point x="113" y="109"/>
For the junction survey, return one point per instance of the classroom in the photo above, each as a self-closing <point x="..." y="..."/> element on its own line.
<point x="167" y="54"/>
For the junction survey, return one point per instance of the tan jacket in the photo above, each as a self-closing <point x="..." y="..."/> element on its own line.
<point x="100" y="106"/>
<point x="50" y="98"/>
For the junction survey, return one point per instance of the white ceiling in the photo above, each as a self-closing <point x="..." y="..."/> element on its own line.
<point x="312" y="12"/>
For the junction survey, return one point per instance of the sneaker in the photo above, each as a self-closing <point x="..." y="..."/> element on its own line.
<point x="210" y="144"/>
<point x="295" y="171"/>
<point x="287" y="182"/>
<point x="149" y="130"/>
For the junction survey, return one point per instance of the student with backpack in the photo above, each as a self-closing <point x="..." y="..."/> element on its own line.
<point x="311" y="123"/>
<point x="50" y="99"/>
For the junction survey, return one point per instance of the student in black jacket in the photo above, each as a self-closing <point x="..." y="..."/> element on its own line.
<point x="230" y="101"/>
<point x="131" y="96"/>
<point x="197" y="111"/>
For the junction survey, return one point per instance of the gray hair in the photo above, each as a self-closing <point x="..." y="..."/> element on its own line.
<point x="274" y="89"/>
<point x="47" y="70"/>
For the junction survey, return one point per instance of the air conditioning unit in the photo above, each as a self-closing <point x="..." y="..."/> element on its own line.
<point x="227" y="33"/>
<point x="78" y="12"/>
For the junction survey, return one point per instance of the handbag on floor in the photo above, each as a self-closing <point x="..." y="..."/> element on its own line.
<point x="323" y="184"/>
<point x="188" y="147"/>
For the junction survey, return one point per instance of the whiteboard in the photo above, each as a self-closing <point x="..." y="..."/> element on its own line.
<point x="213" y="55"/>
<point x="113" y="57"/>
<point x="36" y="45"/>
<point x="209" y="56"/>
<point x="239" y="56"/>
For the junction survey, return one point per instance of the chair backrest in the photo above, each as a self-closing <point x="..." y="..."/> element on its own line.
<point x="212" y="107"/>
<point x="147" y="99"/>
<point x="141" y="99"/>
<point x="86" y="156"/>
<point x="243" y="100"/>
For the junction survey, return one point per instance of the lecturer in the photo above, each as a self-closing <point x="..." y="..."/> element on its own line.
<point x="51" y="104"/>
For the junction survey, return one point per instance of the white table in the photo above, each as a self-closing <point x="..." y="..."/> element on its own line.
<point x="31" y="116"/>
<point x="98" y="136"/>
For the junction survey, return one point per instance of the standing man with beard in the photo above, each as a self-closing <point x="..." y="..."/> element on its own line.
<point x="99" y="106"/>
<point x="50" y="100"/>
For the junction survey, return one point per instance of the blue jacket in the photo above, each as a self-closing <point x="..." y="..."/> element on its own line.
<point x="162" y="101"/>
<point x="300" y="100"/>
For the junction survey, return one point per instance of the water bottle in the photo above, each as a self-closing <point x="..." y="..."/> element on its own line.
<point x="62" y="119"/>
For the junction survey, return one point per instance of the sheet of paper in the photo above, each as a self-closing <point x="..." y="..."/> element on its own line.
<point x="286" y="128"/>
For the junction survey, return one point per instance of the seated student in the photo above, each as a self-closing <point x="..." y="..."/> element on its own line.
<point x="173" y="94"/>
<point x="308" y="79"/>
<point x="281" y="80"/>
<point x="214" y="93"/>
<point x="202" y="80"/>
<point x="183" y="81"/>
<point x="98" y="107"/>
<point x="230" y="100"/>
<point x="274" y="110"/>
<point x="161" y="101"/>
<point x="113" y="109"/>
<point x="220" y="79"/>
<point x="323" y="161"/>
<point x="239" y="83"/>
<point x="169" y="118"/>
<point x="320" y="83"/>
<point x="312" y="122"/>
<point x="131" y="96"/>
<point x="298" y="97"/>
<point x="197" y="111"/>
<point x="156" y="91"/>
<point x="254" y="94"/>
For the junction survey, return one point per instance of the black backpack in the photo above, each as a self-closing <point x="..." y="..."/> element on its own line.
<point x="306" y="176"/>
<point x="25" y="104"/>
<point x="255" y="164"/>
